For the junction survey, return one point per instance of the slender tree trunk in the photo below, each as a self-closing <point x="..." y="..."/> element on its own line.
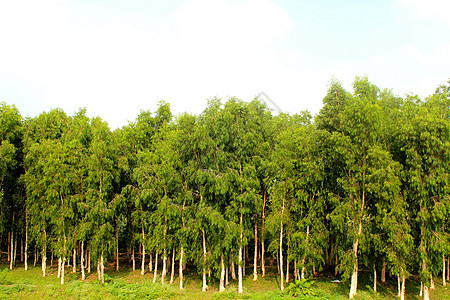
<point x="402" y="294"/>
<point x="255" y="259"/>
<point x="287" y="266"/>
<point x="421" y="289"/>
<point x="172" y="272"/>
<point x="117" y="245"/>
<point x="26" y="242"/>
<point x="426" y="293"/>
<point x="9" y="246"/>
<point x="295" y="269"/>
<point x="59" y="267"/>
<point x="102" y="268"/>
<point x="44" y="265"/>
<point x="331" y="253"/>
<point x="15" y="252"/>
<point x="35" y="255"/>
<point x="204" y="286"/>
<point x="354" y="280"/>
<point x="444" y="283"/>
<point x="181" y="267"/>
<point x="74" y="267"/>
<point x="62" y="269"/>
<point x="51" y="259"/>
<point x="240" y="288"/>
<point x="222" y="273"/>
<point x="156" y="267"/>
<point x="244" y="257"/>
<point x="143" y="253"/>
<point x="99" y="275"/>
<point x="227" y="282"/>
<point x="383" y="271"/>
<point x="83" y="275"/>
<point x="263" y="264"/>
<point x="281" y="257"/>
<point x="89" y="260"/>
<point x="233" y="269"/>
<point x="133" y="260"/>
<point x="278" y="262"/>
<point x="399" y="286"/>
<point x="11" y="261"/>
<point x="374" y="278"/>
<point x="164" y="270"/>
<point x="448" y="268"/>
<point x="431" y="281"/>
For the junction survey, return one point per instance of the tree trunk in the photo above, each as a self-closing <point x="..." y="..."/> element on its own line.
<point x="354" y="280"/>
<point x="204" y="286"/>
<point x="399" y="286"/>
<point x="281" y="258"/>
<point x="44" y="265"/>
<point x="164" y="270"/>
<point x="222" y="273"/>
<point x="255" y="259"/>
<point x="62" y="269"/>
<point x="99" y="276"/>
<point x="444" y="283"/>
<point x="15" y="252"/>
<point x="240" y="265"/>
<point x="102" y="269"/>
<point x="83" y="275"/>
<point x="233" y="269"/>
<point x="89" y="260"/>
<point x="263" y="264"/>
<point x="426" y="293"/>
<point x="431" y="281"/>
<point x="117" y="246"/>
<point x="74" y="267"/>
<point x="421" y="289"/>
<point x="181" y="268"/>
<point x="287" y="266"/>
<point x="11" y="261"/>
<point x="8" y="246"/>
<point x="295" y="269"/>
<point x="402" y="294"/>
<point x="51" y="259"/>
<point x="150" y="262"/>
<point x="35" y="255"/>
<point x="383" y="271"/>
<point x="156" y="267"/>
<point x="133" y="260"/>
<point x="172" y="272"/>
<point x="374" y="278"/>
<point x="143" y="254"/>
<point x="26" y="240"/>
<point x="227" y="282"/>
<point x="244" y="257"/>
<point x="448" y="268"/>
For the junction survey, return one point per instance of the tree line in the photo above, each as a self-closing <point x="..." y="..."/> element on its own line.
<point x="364" y="184"/>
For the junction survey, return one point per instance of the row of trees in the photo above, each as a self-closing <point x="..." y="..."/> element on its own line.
<point x="364" y="184"/>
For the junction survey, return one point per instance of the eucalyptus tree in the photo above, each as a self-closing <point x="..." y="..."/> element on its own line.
<point x="11" y="198"/>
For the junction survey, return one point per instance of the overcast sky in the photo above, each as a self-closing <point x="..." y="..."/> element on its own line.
<point x="118" y="57"/>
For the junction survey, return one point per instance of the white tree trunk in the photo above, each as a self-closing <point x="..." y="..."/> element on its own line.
<point x="74" y="267"/>
<point x="240" y="288"/>
<point x="431" y="281"/>
<point x="164" y="270"/>
<point x="444" y="283"/>
<point x="222" y="273"/>
<point x="383" y="271"/>
<point x="26" y="242"/>
<point x="402" y="294"/>
<point x="133" y="260"/>
<point x="89" y="261"/>
<point x="287" y="266"/>
<point x="83" y="274"/>
<point x="172" y="272"/>
<point x="143" y="258"/>
<point x="44" y="264"/>
<point x="227" y="282"/>
<point x="281" y="258"/>
<point x="448" y="268"/>
<point x="426" y="293"/>
<point x="255" y="258"/>
<point x="204" y="286"/>
<point x="155" y="274"/>
<point x="374" y="278"/>
<point x="233" y="269"/>
<point x="117" y="247"/>
<point x="150" y="262"/>
<point x="399" y="286"/>
<point x="181" y="268"/>
<point x="421" y="289"/>
<point x="354" y="280"/>
<point x="102" y="269"/>
<point x="11" y="261"/>
<point x="62" y="269"/>
<point x="263" y="264"/>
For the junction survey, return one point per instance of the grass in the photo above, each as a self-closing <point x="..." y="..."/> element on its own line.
<point x="126" y="284"/>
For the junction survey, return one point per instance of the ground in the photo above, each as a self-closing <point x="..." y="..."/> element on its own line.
<point x="126" y="284"/>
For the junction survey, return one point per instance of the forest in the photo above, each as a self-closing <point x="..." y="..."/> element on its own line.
<point x="363" y="184"/>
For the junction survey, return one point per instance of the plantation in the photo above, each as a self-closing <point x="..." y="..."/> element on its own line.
<point x="237" y="202"/>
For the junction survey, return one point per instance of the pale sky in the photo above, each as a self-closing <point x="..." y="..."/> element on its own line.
<point x="118" y="57"/>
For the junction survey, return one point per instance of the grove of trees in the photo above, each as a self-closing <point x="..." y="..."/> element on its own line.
<point x="364" y="184"/>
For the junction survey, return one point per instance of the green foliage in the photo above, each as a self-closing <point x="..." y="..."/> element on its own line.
<point x="301" y="288"/>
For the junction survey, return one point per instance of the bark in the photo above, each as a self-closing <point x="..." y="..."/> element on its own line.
<point x="15" y="252"/>
<point x="421" y="289"/>
<point x="59" y="267"/>
<point x="133" y="260"/>
<point x="83" y="275"/>
<point x="402" y="294"/>
<point x="448" y="268"/>
<point x="74" y="267"/>
<point x="89" y="261"/>
<point x="11" y="261"/>
<point x="44" y="265"/>
<point x="295" y="269"/>
<point x="287" y="266"/>
<point x="263" y="264"/>
<point x="172" y="273"/>
<point x="51" y="259"/>
<point x="98" y="270"/>
<point x="117" y="246"/>
<point x="156" y="267"/>
<point x="204" y="286"/>
<point x="354" y="280"/>
<point x="222" y="273"/>
<point x="281" y="257"/>
<point x="35" y="256"/>
<point x="444" y="283"/>
<point x="244" y="256"/>
<point x="431" y="281"/>
<point x="374" y="278"/>
<point x="255" y="259"/>
<point x="233" y="269"/>
<point x="102" y="269"/>
<point x="150" y="262"/>
<point x="62" y="269"/>
<point x="143" y="254"/>
<point x="383" y="271"/>
<point x="399" y="286"/>
<point x="227" y="282"/>
<point x="9" y="243"/>
<point x="26" y="240"/>
<point x="164" y="270"/>
<point x="240" y="289"/>
<point x="426" y="293"/>
<point x="181" y="268"/>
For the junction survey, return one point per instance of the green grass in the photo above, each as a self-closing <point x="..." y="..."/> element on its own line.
<point x="126" y="284"/>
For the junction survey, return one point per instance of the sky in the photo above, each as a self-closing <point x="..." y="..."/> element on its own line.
<point x="116" y="58"/>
